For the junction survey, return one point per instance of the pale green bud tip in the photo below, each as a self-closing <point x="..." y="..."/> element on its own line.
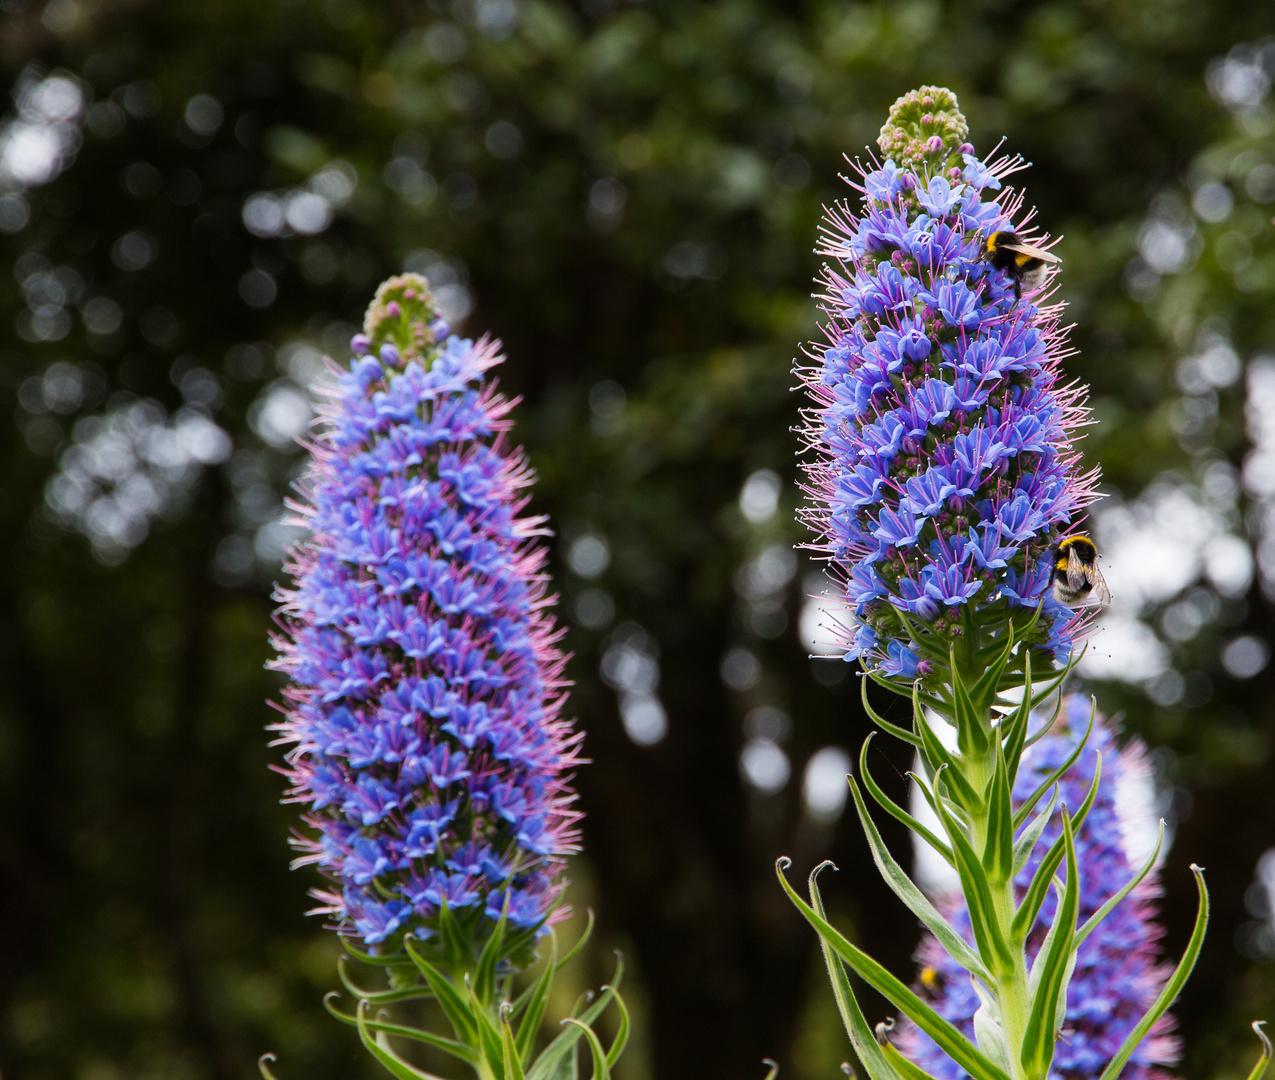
<point x="925" y="128"/>
<point x="404" y="314"/>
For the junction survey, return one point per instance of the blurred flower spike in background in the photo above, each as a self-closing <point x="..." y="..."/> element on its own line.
<point x="943" y="463"/>
<point x="426" y="684"/>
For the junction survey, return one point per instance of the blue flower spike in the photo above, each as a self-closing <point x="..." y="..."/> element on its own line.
<point x="423" y="708"/>
<point x="942" y="467"/>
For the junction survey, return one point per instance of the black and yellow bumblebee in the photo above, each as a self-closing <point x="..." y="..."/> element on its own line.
<point x="1077" y="580"/>
<point x="1024" y="263"/>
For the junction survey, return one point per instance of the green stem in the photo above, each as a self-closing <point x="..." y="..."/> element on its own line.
<point x="1010" y="990"/>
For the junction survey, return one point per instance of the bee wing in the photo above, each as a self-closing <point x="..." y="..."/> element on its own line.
<point x="1099" y="593"/>
<point x="1076" y="574"/>
<point x="1033" y="252"/>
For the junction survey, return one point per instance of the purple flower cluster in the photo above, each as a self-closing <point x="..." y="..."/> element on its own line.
<point x="425" y="682"/>
<point x="943" y="466"/>
<point x="1117" y="974"/>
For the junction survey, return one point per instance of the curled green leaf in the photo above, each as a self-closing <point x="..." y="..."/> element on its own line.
<point x="1259" y="1070"/>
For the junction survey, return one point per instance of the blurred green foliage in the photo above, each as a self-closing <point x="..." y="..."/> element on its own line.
<point x="628" y="194"/>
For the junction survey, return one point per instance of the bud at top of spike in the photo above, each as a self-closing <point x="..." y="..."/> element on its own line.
<point x="925" y="128"/>
<point x="403" y="314"/>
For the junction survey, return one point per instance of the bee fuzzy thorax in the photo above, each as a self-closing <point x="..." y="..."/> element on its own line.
<point x="1023" y="263"/>
<point x="1076" y="578"/>
<point x="1086" y="550"/>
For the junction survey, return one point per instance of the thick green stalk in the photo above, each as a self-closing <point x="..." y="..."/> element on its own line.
<point x="1011" y="987"/>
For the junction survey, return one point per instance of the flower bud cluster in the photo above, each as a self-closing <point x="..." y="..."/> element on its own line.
<point x="425" y="682"/>
<point x="925" y="128"/>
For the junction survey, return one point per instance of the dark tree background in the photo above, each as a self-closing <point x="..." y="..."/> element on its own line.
<point x="197" y="200"/>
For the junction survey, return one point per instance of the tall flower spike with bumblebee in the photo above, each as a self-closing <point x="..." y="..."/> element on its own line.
<point x="942" y="473"/>
<point x="425" y="694"/>
<point x="943" y="465"/>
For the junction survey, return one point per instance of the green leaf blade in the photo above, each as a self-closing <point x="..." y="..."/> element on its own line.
<point x="1172" y="988"/>
<point x="907" y="891"/>
<point x="1038" y="1035"/>
<point x="945" y="1035"/>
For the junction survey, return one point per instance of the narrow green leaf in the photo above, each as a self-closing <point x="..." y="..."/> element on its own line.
<point x="575" y="949"/>
<point x="922" y="641"/>
<point x="455" y="947"/>
<point x="939" y="756"/>
<point x="940" y="791"/>
<point x="984" y="691"/>
<point x="856" y="1024"/>
<point x="512" y="1056"/>
<point x="1030" y="802"/>
<point x="902" y="1065"/>
<point x="365" y="957"/>
<point x="1029" y="907"/>
<point x="1016" y="732"/>
<point x="894" y="810"/>
<point x="490" y="1040"/>
<point x="1035" y="736"/>
<point x="882" y="722"/>
<point x="378" y="997"/>
<point x="998" y="854"/>
<point x="379" y="1048"/>
<point x="263" y="1066"/>
<point x="772" y="1066"/>
<point x="1051" y="685"/>
<point x="536" y="1003"/>
<point x="1087" y="805"/>
<point x="621" y="1039"/>
<point x="519" y="937"/>
<point x="1025" y="918"/>
<point x="916" y="901"/>
<point x="546" y="1064"/>
<point x="485" y="970"/>
<point x="567" y="1066"/>
<point x="601" y="1070"/>
<point x="992" y="946"/>
<point x="971" y="726"/>
<point x="1259" y="1070"/>
<point x="1039" y="1034"/>
<point x="1171" y="989"/>
<point x="949" y="1039"/>
<point x="907" y="689"/>
<point x="1026" y="842"/>
<point x="449" y="1046"/>
<point x="452" y="1002"/>
<point x="1039" y="697"/>
<point x="1092" y="923"/>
